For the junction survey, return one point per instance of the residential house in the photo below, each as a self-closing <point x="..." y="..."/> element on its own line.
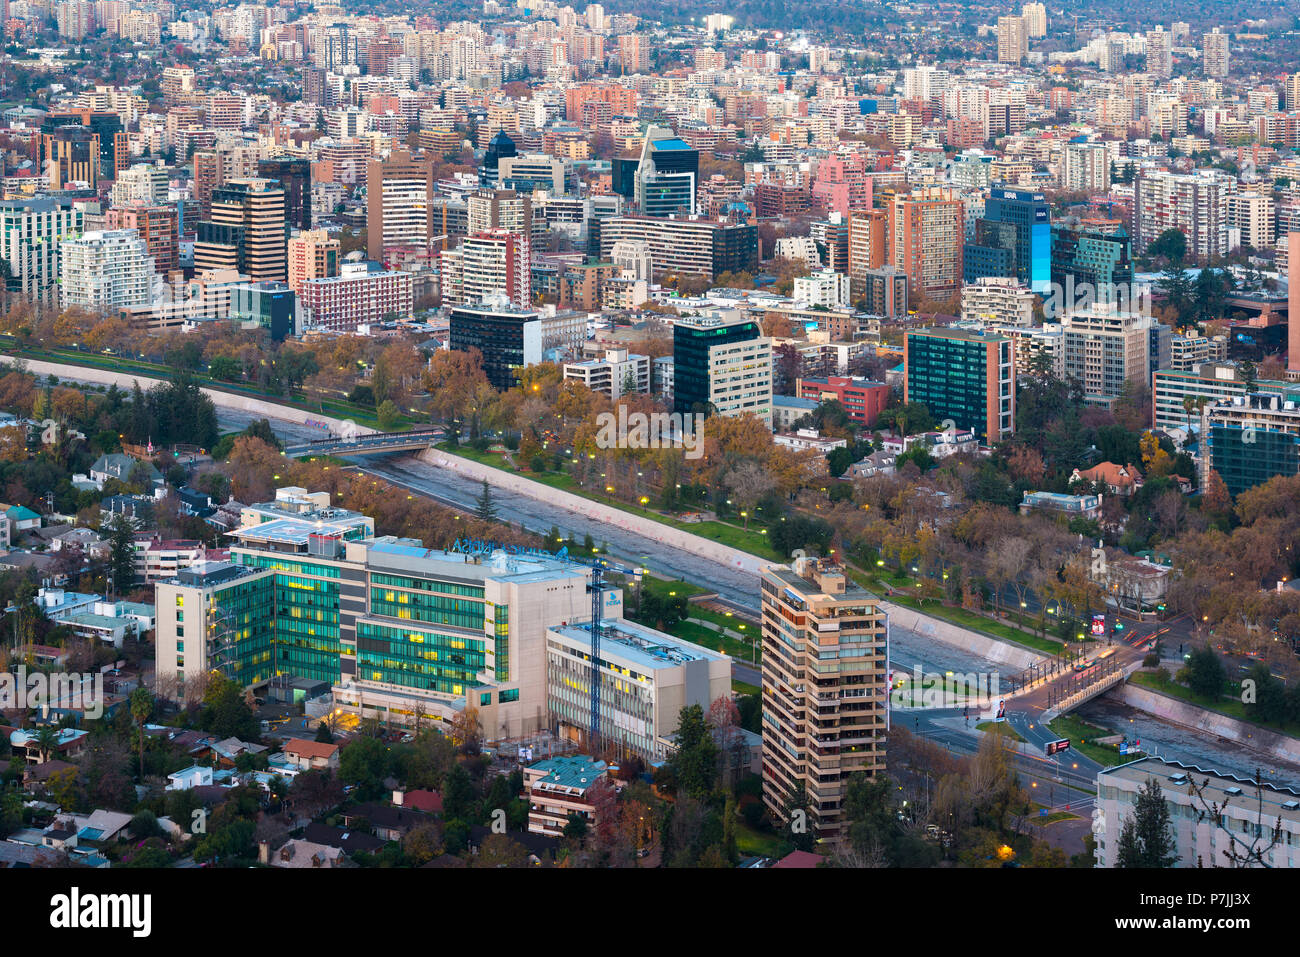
<point x="20" y="518"/>
<point x="310" y="755"/>
<point x="119" y="466"/>
<point x="1115" y="479"/>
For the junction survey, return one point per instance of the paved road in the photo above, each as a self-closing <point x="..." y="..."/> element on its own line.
<point x="736" y="587"/>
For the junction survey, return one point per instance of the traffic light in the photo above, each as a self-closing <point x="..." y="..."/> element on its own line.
<point x="1119" y="626"/>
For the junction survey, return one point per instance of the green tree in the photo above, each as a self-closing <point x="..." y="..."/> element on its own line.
<point x="485" y="508"/>
<point x="121" y="551"/>
<point x="694" y="763"/>
<point x="1206" y="675"/>
<point x="141" y="703"/>
<point x="1147" y="838"/>
<point x="1171" y="244"/>
<point x="388" y="415"/>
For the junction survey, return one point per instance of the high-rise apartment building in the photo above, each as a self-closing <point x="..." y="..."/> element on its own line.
<point x="868" y="247"/>
<point x="313" y="254"/>
<point x="496" y="263"/>
<point x="1085" y="167"/>
<point x="399" y="196"/>
<point x="1160" y="58"/>
<point x="825" y="689"/>
<point x="106" y="271"/>
<point x="926" y="235"/>
<point x="968" y="377"/>
<point x="156" y="225"/>
<point x="1194" y="203"/>
<point x="1214" y="53"/>
<point x="1035" y="17"/>
<point x="1013" y="40"/>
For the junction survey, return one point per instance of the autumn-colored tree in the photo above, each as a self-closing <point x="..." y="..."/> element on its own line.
<point x="253" y="467"/>
<point x="13" y="443"/>
<point x="453" y="379"/>
<point x="1156" y="462"/>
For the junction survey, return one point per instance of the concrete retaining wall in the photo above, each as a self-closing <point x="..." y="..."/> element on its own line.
<point x="1211" y="722"/>
<point x="950" y="634"/>
<point x="597" y="511"/>
<point x="934" y="628"/>
<point x="221" y="399"/>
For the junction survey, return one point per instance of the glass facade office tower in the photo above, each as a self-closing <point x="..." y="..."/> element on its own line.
<point x="963" y="376"/>
<point x="1027" y="212"/>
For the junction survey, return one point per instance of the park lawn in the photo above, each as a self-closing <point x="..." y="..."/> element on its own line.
<point x="1056" y="816"/>
<point x="957" y="616"/>
<point x="743" y="687"/>
<point x="751" y="843"/>
<point x="999" y="727"/>
<point x="1078" y="731"/>
<point x="664" y="587"/>
<point x="1227" y="704"/>
<point x="698" y="634"/>
<point x="753" y="540"/>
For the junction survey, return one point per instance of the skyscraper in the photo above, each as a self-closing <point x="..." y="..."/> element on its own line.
<point x="500" y="146"/>
<point x="246" y="232"/>
<point x="668" y="174"/>
<point x="293" y="173"/>
<point x="1016" y="222"/>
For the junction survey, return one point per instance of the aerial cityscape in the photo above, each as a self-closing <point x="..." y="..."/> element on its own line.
<point x="796" y="435"/>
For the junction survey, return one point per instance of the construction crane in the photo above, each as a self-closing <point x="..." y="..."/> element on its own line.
<point x="597" y="591"/>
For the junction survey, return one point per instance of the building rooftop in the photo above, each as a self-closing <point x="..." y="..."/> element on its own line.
<point x="577" y="772"/>
<point x="639" y="645"/>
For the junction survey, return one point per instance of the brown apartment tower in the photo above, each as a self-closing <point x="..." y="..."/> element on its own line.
<point x="825" y="688"/>
<point x="399" y="200"/>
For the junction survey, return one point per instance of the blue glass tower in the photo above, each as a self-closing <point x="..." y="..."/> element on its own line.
<point x="1028" y="213"/>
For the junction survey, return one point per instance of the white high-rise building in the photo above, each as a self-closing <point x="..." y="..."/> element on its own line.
<point x="143" y="183"/>
<point x="1195" y="203"/>
<point x="1013" y="40"/>
<point x="106" y="271"/>
<point x="1085" y="166"/>
<point x="1160" y="57"/>
<point x="1035" y="16"/>
<point x="31" y="234"/>
<point x="1214" y="53"/>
